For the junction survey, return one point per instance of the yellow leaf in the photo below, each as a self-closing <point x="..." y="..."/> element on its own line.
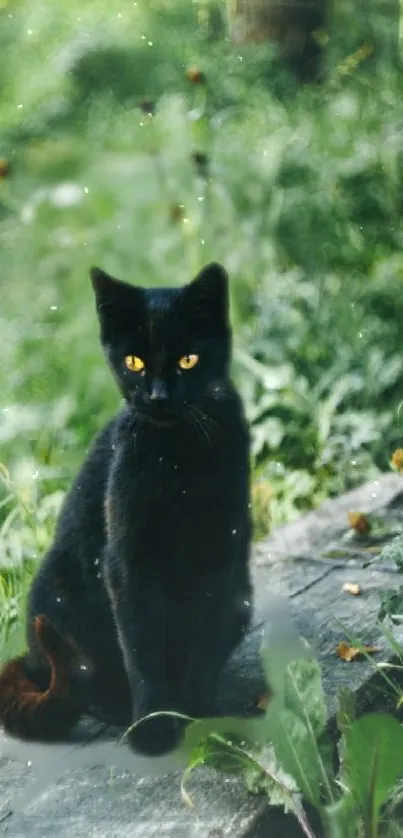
<point x="351" y="653"/>
<point x="351" y="588"/>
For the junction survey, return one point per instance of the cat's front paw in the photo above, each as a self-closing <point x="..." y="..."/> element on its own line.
<point x="156" y="736"/>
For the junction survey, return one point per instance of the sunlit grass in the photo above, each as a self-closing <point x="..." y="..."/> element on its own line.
<point x="299" y="196"/>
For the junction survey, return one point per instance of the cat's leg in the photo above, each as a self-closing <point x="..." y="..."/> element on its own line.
<point x="217" y="621"/>
<point x="141" y="625"/>
<point x="29" y="710"/>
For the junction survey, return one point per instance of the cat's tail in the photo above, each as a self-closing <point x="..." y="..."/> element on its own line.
<point x="27" y="712"/>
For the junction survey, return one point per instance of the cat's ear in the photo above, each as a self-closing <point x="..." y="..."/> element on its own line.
<point x="112" y="294"/>
<point x="208" y="294"/>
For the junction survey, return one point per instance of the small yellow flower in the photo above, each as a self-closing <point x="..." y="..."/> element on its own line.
<point x="397" y="459"/>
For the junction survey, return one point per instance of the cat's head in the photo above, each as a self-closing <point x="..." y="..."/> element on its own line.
<point x="169" y="348"/>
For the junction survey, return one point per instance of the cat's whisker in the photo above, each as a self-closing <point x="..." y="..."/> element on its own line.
<point x="211" y="423"/>
<point x="197" y="425"/>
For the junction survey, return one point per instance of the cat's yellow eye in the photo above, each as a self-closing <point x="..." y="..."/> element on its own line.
<point x="134" y="363"/>
<point x="188" y="362"/>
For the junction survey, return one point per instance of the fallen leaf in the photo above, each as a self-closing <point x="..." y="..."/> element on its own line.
<point x="359" y="522"/>
<point x="352" y="653"/>
<point x="351" y="588"/>
<point x="264" y="701"/>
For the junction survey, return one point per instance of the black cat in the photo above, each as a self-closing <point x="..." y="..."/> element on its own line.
<point x="146" y="589"/>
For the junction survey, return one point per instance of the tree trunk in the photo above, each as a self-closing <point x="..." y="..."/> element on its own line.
<point x="291" y="24"/>
<point x="296" y="27"/>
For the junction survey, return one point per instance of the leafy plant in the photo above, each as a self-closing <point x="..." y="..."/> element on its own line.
<point x="286" y="756"/>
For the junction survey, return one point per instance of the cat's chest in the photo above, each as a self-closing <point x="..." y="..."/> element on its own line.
<point x="176" y="478"/>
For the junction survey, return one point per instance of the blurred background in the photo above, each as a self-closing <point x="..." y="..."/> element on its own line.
<point x="151" y="137"/>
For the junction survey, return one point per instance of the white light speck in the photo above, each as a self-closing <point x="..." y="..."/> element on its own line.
<point x="58" y="599"/>
<point x="353" y="462"/>
<point x="200" y="198"/>
<point x="246" y="602"/>
<point x="19" y="107"/>
<point x="35" y="475"/>
<point x="86" y="190"/>
<point x="186" y="221"/>
<point x="66" y="194"/>
<point x="374" y="495"/>
<point x="160" y="459"/>
<point x="29" y="763"/>
<point x="83" y="667"/>
<point x="183" y="491"/>
<point x="360" y="334"/>
<point x="98" y="575"/>
<point x="96" y="561"/>
<point x="120" y="16"/>
<point x="29" y="31"/>
<point x="150" y="43"/>
<point x="118" y="226"/>
<point x="53" y="308"/>
<point x="234" y="531"/>
<point x="175" y="467"/>
<point x="202" y="241"/>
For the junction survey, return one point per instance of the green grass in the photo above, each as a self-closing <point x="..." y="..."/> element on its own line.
<point x="302" y="202"/>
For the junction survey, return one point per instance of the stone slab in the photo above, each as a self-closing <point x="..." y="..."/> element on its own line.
<point x="70" y="789"/>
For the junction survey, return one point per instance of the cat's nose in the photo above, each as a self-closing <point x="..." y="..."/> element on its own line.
<point x="158" y="392"/>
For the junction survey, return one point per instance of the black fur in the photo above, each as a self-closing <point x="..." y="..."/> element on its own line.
<point x="148" y="573"/>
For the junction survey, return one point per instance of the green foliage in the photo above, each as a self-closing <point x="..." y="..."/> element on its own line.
<point x="393" y="552"/>
<point x="296" y="719"/>
<point x="301" y="201"/>
<point x="392" y="599"/>
<point x="374" y="760"/>
<point x="285" y="756"/>
<point x="391" y="603"/>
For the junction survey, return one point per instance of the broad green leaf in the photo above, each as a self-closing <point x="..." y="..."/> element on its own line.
<point x="296" y="717"/>
<point x="304" y="694"/>
<point x="374" y="762"/>
<point x="297" y="753"/>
